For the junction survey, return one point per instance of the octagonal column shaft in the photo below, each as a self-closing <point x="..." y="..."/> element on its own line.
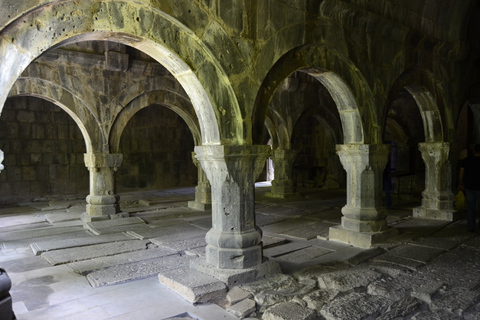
<point x="102" y="202"/>
<point x="203" y="193"/>
<point x="437" y="201"/>
<point x="282" y="184"/>
<point x="363" y="221"/>
<point x="234" y="242"/>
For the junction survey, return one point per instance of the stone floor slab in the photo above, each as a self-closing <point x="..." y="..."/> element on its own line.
<point x="44" y="246"/>
<point x="285" y="248"/>
<point x="37" y="233"/>
<point x="93" y="251"/>
<point x="193" y="285"/>
<point x="87" y="266"/>
<point x="289" y="311"/>
<point x="136" y="270"/>
<point x="309" y="231"/>
<point x="62" y="216"/>
<point x="304" y="255"/>
<point x="181" y="245"/>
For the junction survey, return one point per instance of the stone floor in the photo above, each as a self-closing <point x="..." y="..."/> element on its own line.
<point x="110" y="270"/>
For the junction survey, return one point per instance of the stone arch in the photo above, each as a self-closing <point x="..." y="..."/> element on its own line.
<point x="167" y="99"/>
<point x="145" y="28"/>
<point x="341" y="78"/>
<point x="430" y="99"/>
<point x="76" y="108"/>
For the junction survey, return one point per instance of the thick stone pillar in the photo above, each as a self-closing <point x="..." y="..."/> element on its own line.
<point x="437" y="201"/>
<point x="363" y="221"/>
<point x="102" y="202"/>
<point x="282" y="184"/>
<point x="203" y="193"/>
<point x="234" y="242"/>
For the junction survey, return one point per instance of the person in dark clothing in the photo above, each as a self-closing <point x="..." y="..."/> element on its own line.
<point x="469" y="182"/>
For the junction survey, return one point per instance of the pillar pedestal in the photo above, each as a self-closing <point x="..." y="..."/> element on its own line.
<point x="203" y="193"/>
<point x="234" y="242"/>
<point x="363" y="221"/>
<point x="437" y="201"/>
<point x="283" y="185"/>
<point x="102" y="202"/>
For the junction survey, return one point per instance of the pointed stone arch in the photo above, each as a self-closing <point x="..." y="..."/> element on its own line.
<point x="147" y="29"/>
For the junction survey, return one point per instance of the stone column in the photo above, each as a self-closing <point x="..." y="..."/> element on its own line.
<point x="203" y="193"/>
<point x="437" y="202"/>
<point x="282" y="184"/>
<point x="102" y="202"/>
<point x="363" y="221"/>
<point x="234" y="242"/>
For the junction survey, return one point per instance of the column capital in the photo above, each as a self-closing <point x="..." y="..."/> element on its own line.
<point x="103" y="160"/>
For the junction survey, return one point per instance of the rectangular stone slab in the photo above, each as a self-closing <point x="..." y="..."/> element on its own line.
<point x="136" y="270"/>
<point x="44" y="246"/>
<point x="284" y="249"/>
<point x="87" y="266"/>
<point x="94" y="251"/>
<point x="37" y="233"/>
<point x="181" y="245"/>
<point x="309" y="231"/>
<point x="62" y="216"/>
<point x="304" y="255"/>
<point x="113" y="225"/>
<point x="193" y="285"/>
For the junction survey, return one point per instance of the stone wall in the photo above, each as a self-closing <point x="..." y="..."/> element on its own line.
<point x="157" y="147"/>
<point x="44" y="152"/>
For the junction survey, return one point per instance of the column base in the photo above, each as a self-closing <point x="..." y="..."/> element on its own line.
<point x="199" y="206"/>
<point x="85" y="217"/>
<point x="360" y="239"/>
<point x="233" y="277"/>
<point x="233" y="258"/>
<point x="446" y="215"/>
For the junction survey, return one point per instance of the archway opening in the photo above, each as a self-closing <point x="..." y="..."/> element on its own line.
<point x="44" y="151"/>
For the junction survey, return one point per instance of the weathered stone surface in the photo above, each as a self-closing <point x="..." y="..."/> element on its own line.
<point x="455" y="300"/>
<point x="355" y="306"/>
<point x="44" y="246"/>
<point x="243" y="308"/>
<point x="304" y="255"/>
<point x="233" y="277"/>
<point x="180" y="245"/>
<point x="289" y="311"/>
<point x="192" y="285"/>
<point x="236" y="295"/>
<point x="317" y="299"/>
<point x="346" y="280"/>
<point x="86" y="266"/>
<point x="405" y="285"/>
<point x="136" y="270"/>
<point x="417" y="253"/>
<point x="93" y="251"/>
<point x="278" y="288"/>
<point x="105" y="226"/>
<point x="39" y="233"/>
<point x="400" y="308"/>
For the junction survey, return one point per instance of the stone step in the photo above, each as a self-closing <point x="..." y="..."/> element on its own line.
<point x="136" y="270"/>
<point x="93" y="251"/>
<point x="193" y="285"/>
<point x="87" y="266"/>
<point x="44" y="246"/>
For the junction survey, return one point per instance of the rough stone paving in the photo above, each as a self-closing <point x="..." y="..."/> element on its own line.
<point x="429" y="271"/>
